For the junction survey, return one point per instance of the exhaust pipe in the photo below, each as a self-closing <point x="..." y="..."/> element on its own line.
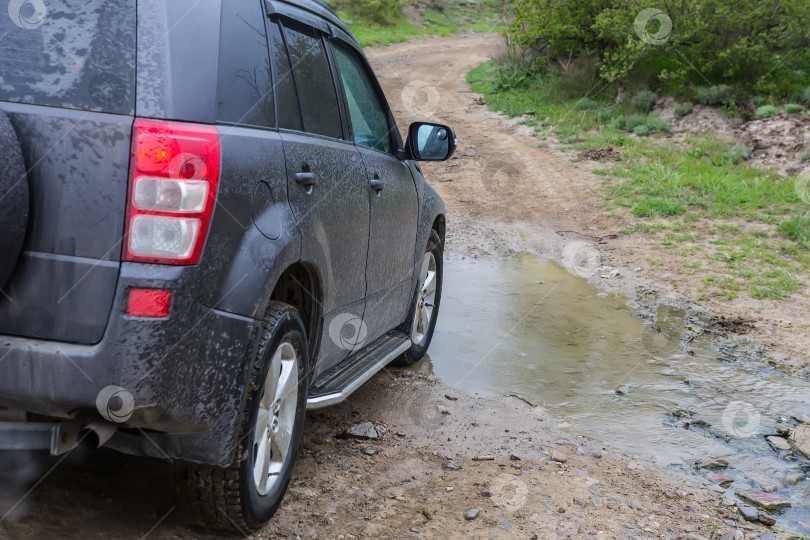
<point x="96" y="434"/>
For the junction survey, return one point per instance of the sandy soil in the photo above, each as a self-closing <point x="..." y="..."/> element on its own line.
<point x="420" y="477"/>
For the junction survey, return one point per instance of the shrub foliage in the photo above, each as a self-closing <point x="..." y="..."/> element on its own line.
<point x="759" y="47"/>
<point x="376" y="10"/>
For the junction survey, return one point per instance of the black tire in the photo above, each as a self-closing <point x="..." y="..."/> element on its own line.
<point x="417" y="352"/>
<point x="227" y="498"/>
<point x="13" y="199"/>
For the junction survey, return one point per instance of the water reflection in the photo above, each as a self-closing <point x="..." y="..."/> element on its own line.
<point x="527" y="326"/>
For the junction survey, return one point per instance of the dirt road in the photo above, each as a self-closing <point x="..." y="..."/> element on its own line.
<point x="499" y="173"/>
<point x="419" y="477"/>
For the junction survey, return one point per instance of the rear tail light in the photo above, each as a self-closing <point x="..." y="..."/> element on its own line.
<point x="172" y="191"/>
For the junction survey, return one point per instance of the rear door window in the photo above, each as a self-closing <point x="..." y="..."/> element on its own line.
<point x="245" y="90"/>
<point x="313" y="78"/>
<point x="289" y="112"/>
<point x="76" y="54"/>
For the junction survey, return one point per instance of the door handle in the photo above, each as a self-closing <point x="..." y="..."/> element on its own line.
<point x="306" y="178"/>
<point x="376" y="184"/>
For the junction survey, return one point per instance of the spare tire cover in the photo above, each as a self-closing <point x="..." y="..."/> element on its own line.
<point x="13" y="199"/>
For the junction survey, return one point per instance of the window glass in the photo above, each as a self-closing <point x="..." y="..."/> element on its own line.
<point x="313" y="78"/>
<point x="289" y="112"/>
<point x="77" y="54"/>
<point x="245" y="92"/>
<point x="366" y="111"/>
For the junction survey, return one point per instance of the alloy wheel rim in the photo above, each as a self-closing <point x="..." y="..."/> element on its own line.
<point x="276" y="418"/>
<point x="425" y="300"/>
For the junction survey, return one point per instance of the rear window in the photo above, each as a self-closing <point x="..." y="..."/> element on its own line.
<point x="76" y="54"/>
<point x="245" y="94"/>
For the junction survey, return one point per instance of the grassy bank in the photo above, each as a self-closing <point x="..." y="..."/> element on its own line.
<point x="744" y="230"/>
<point x="419" y="22"/>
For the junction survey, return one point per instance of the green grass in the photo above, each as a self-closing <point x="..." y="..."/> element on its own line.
<point x="453" y="19"/>
<point x="698" y="189"/>
<point x="650" y="206"/>
<point x="797" y="228"/>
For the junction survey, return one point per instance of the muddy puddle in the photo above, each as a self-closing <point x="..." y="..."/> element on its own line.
<point x="660" y="390"/>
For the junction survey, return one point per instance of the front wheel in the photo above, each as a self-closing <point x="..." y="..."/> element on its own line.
<point x="424" y="311"/>
<point x="245" y="495"/>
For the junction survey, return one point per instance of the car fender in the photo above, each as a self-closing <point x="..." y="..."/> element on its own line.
<point x="258" y="263"/>
<point x="431" y="206"/>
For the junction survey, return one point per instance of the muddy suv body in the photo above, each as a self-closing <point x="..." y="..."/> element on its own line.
<point x="176" y="178"/>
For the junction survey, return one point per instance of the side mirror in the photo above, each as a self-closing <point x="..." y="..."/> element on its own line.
<point x="430" y="142"/>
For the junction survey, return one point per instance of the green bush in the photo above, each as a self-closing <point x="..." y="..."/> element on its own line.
<point x="714" y="95"/>
<point x="658" y="124"/>
<point x="793" y="108"/>
<point x="738" y="152"/>
<point x="642" y="130"/>
<point x="628" y="123"/>
<point x="377" y="10"/>
<point x="513" y="71"/>
<point x="643" y="101"/>
<point x="753" y="46"/>
<point x="766" y="111"/>
<point x="806" y="95"/>
<point x="640" y="124"/>
<point x="683" y="109"/>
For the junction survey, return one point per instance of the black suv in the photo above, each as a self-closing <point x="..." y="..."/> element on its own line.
<point x="209" y="224"/>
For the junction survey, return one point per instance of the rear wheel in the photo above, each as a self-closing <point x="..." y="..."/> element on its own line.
<point x="244" y="496"/>
<point x="424" y="312"/>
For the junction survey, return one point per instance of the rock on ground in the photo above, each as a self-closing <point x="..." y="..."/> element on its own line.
<point x="768" y="501"/>
<point x="362" y="431"/>
<point x="801" y="439"/>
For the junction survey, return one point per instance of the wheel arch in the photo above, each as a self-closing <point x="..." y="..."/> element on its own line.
<point x="301" y="286"/>
<point x="439" y="225"/>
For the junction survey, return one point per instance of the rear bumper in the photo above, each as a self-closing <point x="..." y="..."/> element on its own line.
<point x="186" y="373"/>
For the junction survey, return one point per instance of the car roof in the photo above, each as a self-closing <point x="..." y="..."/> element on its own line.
<point x="319" y="8"/>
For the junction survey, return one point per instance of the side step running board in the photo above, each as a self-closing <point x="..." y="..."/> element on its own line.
<point x="339" y="382"/>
